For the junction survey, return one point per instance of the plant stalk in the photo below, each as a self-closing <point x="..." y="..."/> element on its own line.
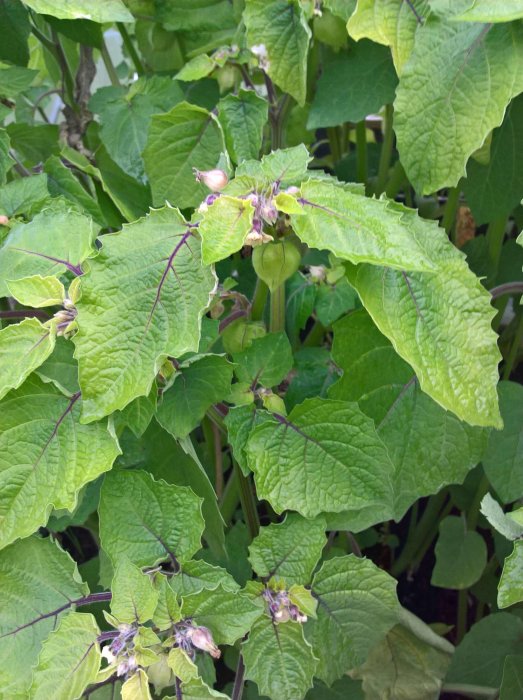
<point x="237" y="690"/>
<point x="514" y="349"/>
<point x="259" y="300"/>
<point x="111" y="70"/>
<point x="247" y="501"/>
<point x="449" y="215"/>
<point x="128" y="43"/>
<point x="386" y="151"/>
<point x="495" y="235"/>
<point x="277" y="301"/>
<point x="361" y="152"/>
<point x="470" y="691"/>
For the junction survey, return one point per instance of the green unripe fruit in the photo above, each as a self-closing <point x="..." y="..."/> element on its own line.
<point x="276" y="262"/>
<point x="162" y="39"/>
<point x="240" y="334"/>
<point x="330" y="30"/>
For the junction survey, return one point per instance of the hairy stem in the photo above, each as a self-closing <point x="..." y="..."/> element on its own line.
<point x="277" y="319"/>
<point x="386" y="151"/>
<point x="25" y="313"/>
<point x="470" y="691"/>
<point x="361" y="152"/>
<point x="507" y="288"/>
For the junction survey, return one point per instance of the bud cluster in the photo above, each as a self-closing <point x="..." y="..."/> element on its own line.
<point x="280" y="607"/>
<point x="65" y="317"/>
<point x="190" y="638"/>
<point x="121" y="650"/>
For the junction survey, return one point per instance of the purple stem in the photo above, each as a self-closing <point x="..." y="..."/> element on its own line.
<point x="75" y="269"/>
<point x="25" y="313"/>
<point x="237" y="690"/>
<point x="508" y="288"/>
<point x="105" y="636"/>
<point x="240" y="313"/>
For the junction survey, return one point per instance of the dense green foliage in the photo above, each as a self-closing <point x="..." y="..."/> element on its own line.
<point x="260" y="278"/>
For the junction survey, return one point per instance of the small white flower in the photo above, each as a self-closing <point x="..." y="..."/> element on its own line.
<point x="260" y="51"/>
<point x="108" y="655"/>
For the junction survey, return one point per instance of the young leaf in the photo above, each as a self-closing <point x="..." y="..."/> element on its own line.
<point x="279" y="30"/>
<point x="136" y="687"/>
<point x="288" y="166"/>
<point x="23" y="347"/>
<point x="448" y="61"/>
<point x="502" y="522"/>
<point x="279" y="659"/>
<point x="267" y="361"/>
<point x="37" y="291"/>
<point x="46" y="456"/>
<point x="187" y="137"/>
<point x="31" y="605"/>
<point x="25" y="196"/>
<point x="289" y="550"/>
<point x="510" y="587"/>
<point x="108" y="11"/>
<point x="240" y="421"/>
<point x="142" y="300"/>
<point x="168" y="610"/>
<point x="134" y="597"/>
<point x="197" y="575"/>
<point x="325" y="457"/>
<point x="461" y="555"/>
<point x="243" y="117"/>
<point x="224" y="226"/>
<point x="148" y="521"/>
<point x="357" y="606"/>
<point x="201" y="381"/>
<point x="69" y="660"/>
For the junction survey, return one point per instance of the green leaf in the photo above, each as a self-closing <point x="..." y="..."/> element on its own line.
<point x="134" y="598"/>
<point x="439" y="448"/>
<point x="37" y="291"/>
<point x="461" y="555"/>
<point x="325" y="457"/>
<point x="243" y="117"/>
<point x="61" y="368"/>
<point x="187" y="137"/>
<point x="287" y="165"/>
<point x="198" y="67"/>
<point x="46" y="456"/>
<point x="56" y="240"/>
<point x="138" y="414"/>
<point x="196" y="689"/>
<point x="448" y="61"/>
<point x="62" y="182"/>
<point x="31" y="604"/>
<point x="503" y="461"/>
<point x="190" y="15"/>
<point x="267" y="361"/>
<point x="495" y="188"/>
<point x="486" y="11"/>
<point x="281" y="27"/>
<point x="200" y="382"/>
<point x="441" y="325"/>
<point x="23" y="347"/>
<point x="168" y="610"/>
<point x="357" y="606"/>
<point x="141" y="301"/>
<point x="345" y="687"/>
<point x="148" y="521"/>
<point x="361" y="229"/>
<point x="15" y="79"/>
<point x="5" y="159"/>
<point x="480" y="656"/>
<point x="69" y="660"/>
<point x="136" y="687"/>
<point x="14" y="20"/>
<point x="197" y="575"/>
<point x="108" y="11"/>
<point x="504" y="524"/>
<point x="34" y="143"/>
<point x="512" y="682"/>
<point x="390" y="23"/>
<point x="289" y="550"/>
<point x="279" y="659"/>
<point x="25" y="196"/>
<point x="229" y="615"/>
<point x="224" y="226"/>
<point x="510" y="587"/>
<point x="334" y="300"/>
<point x="369" y="80"/>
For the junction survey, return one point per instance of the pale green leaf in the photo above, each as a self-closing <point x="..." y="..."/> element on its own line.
<point x="134" y="598"/>
<point x="325" y="457"/>
<point x="28" y="195"/>
<point x="267" y="361"/>
<point x="450" y="60"/>
<point x="288" y="166"/>
<point x="23" y="348"/>
<point x="187" y="137"/>
<point x="182" y="666"/>
<point x="107" y="11"/>
<point x="441" y="325"/>
<point x="229" y="615"/>
<point x="357" y="606"/>
<point x="279" y="659"/>
<point x="224" y="226"/>
<point x="499" y="520"/>
<point x="37" y="291"/>
<point x="281" y="27"/>
<point x="136" y="687"/>
<point x="148" y="521"/>
<point x="240" y="421"/>
<point x="196" y="689"/>
<point x="168" y="610"/>
<point x="503" y="461"/>
<point x="289" y="550"/>
<point x="198" y="67"/>
<point x="243" y="117"/>
<point x="38" y="582"/>
<point x="69" y="660"/>
<point x="461" y="555"/>
<point x="488" y="11"/>
<point x="197" y="575"/>
<point x="46" y="456"/>
<point x="510" y="587"/>
<point x="142" y="300"/>
<point x="138" y="414"/>
<point x="56" y="240"/>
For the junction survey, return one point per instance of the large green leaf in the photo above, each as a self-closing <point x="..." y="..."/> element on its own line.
<point x="56" y="240"/>
<point x="266" y="361"/>
<point x="487" y="11"/>
<point x="69" y="660"/>
<point x="61" y="368"/>
<point x="46" y="456"/>
<point x="23" y="347"/>
<point x="62" y="182"/>
<point x="429" y="446"/>
<point x="512" y="682"/>
<point x="194" y="15"/>
<point x="357" y="606"/>
<point x="503" y="461"/>
<point x="15" y="79"/>
<point x="224" y="226"/>
<point x="187" y="137"/>
<point x="134" y="597"/>
<point x="325" y="457"/>
<point x="107" y="11"/>
<point x="28" y="195"/>
<point x="38" y="581"/>
<point x="243" y="117"/>
<point x="289" y="550"/>
<point x="14" y="20"/>
<point x="281" y="28"/>
<point x="148" y="521"/>
<point x="457" y="544"/>
<point x="441" y="325"/>
<point x="510" y="588"/>
<point x="279" y="659"/>
<point x="197" y="575"/>
<point x="450" y="60"/>
<point x="141" y="301"/>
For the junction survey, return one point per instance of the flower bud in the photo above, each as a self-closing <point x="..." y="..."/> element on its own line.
<point x="260" y="51"/>
<point x="4" y="220"/>
<point x="269" y="212"/>
<point x="292" y="190"/>
<point x="202" y="639"/>
<point x="215" y="180"/>
<point x="108" y="654"/>
<point x="296" y="615"/>
<point x="254" y="239"/>
<point x="282" y="615"/>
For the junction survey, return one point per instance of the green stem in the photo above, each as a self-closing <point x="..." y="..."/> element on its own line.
<point x="397" y="180"/>
<point x="334" y="144"/>
<point x="130" y="48"/>
<point x="361" y="152"/>
<point x="247" y="501"/>
<point x="495" y="235"/>
<point x="470" y="691"/>
<point x="55" y="49"/>
<point x="449" y="216"/>
<point x="386" y="150"/>
<point x="315" y="335"/>
<point x="461" y="622"/>
<point x="259" y="300"/>
<point x="514" y="349"/>
<point x="231" y="497"/>
<point x="277" y="319"/>
<point x="111" y="70"/>
<point x="429" y="539"/>
<point x="473" y="512"/>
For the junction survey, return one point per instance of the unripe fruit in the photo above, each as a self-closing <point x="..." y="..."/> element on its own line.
<point x="240" y="334"/>
<point x="215" y="179"/>
<point x="276" y="262"/>
<point x="330" y="30"/>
